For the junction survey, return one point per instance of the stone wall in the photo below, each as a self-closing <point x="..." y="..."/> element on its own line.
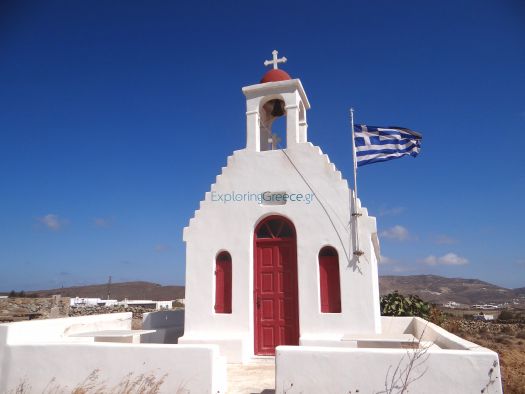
<point x="17" y="309"/>
<point x="137" y="311"/>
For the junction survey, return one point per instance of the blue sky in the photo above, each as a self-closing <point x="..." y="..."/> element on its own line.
<point x="117" y="116"/>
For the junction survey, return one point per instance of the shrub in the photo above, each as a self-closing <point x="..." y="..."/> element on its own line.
<point x="506" y="315"/>
<point x="20" y="294"/>
<point x="454" y="326"/>
<point x="503" y="339"/>
<point x="436" y="316"/>
<point x="507" y="329"/>
<point x="483" y="330"/>
<point x="395" y="304"/>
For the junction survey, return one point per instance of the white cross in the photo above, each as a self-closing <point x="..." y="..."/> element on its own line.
<point x="274" y="140"/>
<point x="275" y="60"/>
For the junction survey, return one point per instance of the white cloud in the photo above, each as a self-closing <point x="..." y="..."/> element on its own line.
<point x="447" y="259"/>
<point x="161" y="248"/>
<point x="453" y="259"/>
<point x="52" y="221"/>
<point x="444" y="240"/>
<point x="386" y="260"/>
<point x="430" y="260"/>
<point x="385" y="210"/>
<point x="399" y="233"/>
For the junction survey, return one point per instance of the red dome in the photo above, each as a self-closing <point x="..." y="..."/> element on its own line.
<point x="274" y="75"/>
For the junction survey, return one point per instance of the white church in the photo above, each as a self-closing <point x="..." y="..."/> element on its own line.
<point x="274" y="264"/>
<point x="281" y="267"/>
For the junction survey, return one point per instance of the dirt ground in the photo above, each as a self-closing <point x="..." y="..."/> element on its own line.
<point x="136" y="324"/>
<point x="508" y="340"/>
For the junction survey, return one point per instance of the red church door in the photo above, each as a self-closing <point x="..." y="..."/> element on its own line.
<point x="276" y="305"/>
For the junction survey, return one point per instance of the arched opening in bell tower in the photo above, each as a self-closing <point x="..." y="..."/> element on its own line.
<point x="275" y="110"/>
<point x="272" y="124"/>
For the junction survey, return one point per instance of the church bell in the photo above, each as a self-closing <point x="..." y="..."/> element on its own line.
<point x="277" y="108"/>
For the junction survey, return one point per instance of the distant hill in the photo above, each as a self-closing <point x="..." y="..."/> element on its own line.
<point x="431" y="288"/>
<point x="520" y="291"/>
<point x="438" y="289"/>
<point x="119" y="291"/>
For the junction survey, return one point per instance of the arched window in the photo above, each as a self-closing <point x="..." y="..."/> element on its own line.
<point x="272" y="123"/>
<point x="275" y="229"/>
<point x="329" y="280"/>
<point x="223" y="283"/>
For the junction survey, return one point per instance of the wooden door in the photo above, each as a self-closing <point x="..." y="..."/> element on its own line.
<point x="276" y="304"/>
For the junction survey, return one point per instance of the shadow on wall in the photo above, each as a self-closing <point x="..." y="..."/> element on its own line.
<point x="169" y="326"/>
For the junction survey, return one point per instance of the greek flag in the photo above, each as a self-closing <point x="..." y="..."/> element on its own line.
<point x="375" y="144"/>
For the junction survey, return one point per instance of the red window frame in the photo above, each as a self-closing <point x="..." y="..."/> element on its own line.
<point x="329" y="280"/>
<point x="223" y="283"/>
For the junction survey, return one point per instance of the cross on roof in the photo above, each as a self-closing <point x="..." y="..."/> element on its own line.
<point x="275" y="60"/>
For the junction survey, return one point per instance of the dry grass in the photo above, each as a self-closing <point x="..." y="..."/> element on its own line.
<point x="512" y="360"/>
<point x="505" y="339"/>
<point x="93" y="384"/>
<point x="136" y="324"/>
<point x="399" y="379"/>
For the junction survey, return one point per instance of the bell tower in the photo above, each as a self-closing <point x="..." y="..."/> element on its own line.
<point x="275" y="96"/>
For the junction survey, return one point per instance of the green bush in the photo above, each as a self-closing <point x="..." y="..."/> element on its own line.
<point x="14" y="294"/>
<point x="506" y="315"/>
<point x="395" y="304"/>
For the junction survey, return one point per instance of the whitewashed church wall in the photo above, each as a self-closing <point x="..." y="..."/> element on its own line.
<point x="219" y="226"/>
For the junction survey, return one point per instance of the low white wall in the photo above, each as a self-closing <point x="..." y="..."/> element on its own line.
<point x="235" y="347"/>
<point x="169" y="326"/>
<point x="59" y="330"/>
<point x="397" y="325"/>
<point x="38" y="356"/>
<point x="433" y="333"/>
<point x="56" y="367"/>
<point x="426" y="331"/>
<point x="350" y="370"/>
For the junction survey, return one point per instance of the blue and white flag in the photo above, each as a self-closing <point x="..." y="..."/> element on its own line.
<point x="375" y="144"/>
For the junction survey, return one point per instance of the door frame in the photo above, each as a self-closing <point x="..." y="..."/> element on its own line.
<point x="275" y="241"/>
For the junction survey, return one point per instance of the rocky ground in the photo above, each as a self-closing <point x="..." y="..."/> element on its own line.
<point x="507" y="339"/>
<point x="137" y="311"/>
<point x="18" y="309"/>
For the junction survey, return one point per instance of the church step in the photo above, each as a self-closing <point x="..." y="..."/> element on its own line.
<point x="261" y="360"/>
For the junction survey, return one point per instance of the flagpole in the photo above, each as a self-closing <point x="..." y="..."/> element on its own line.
<point x="353" y="152"/>
<point x="354" y="212"/>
